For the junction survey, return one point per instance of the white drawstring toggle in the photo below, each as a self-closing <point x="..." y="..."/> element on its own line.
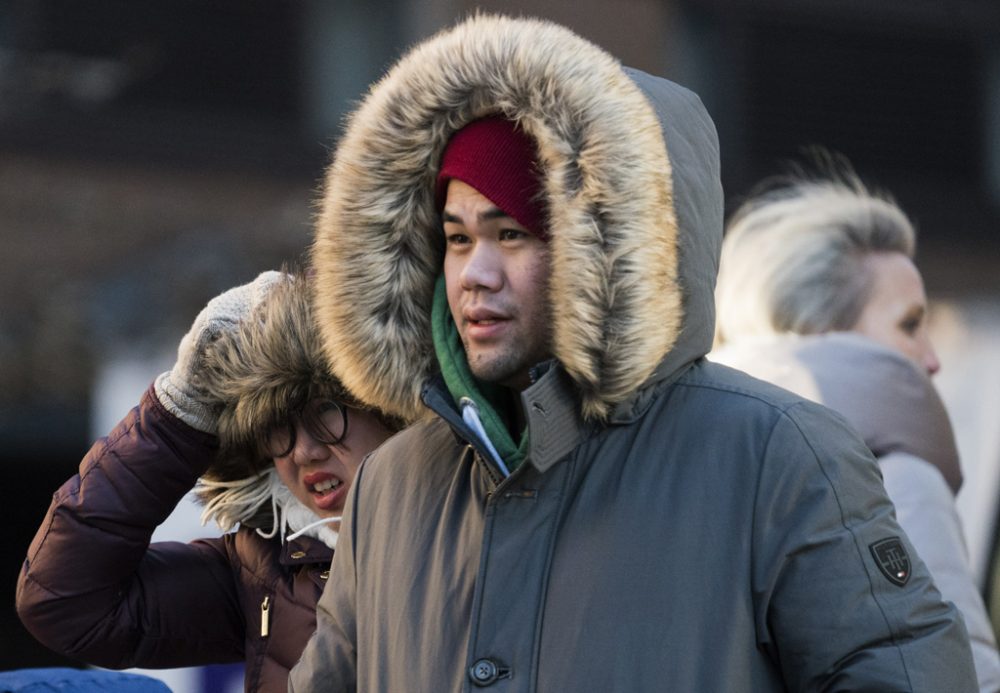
<point x="470" y="414"/>
<point x="317" y="523"/>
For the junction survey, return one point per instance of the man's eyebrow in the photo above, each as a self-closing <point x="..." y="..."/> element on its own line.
<point x="492" y="213"/>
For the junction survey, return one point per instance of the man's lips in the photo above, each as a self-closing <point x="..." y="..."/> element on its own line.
<point x="483" y="315"/>
<point x="483" y="324"/>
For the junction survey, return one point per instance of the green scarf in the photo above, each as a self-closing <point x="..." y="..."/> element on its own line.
<point x="462" y="383"/>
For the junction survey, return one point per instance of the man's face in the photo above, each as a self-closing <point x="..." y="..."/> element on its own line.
<point x="497" y="277"/>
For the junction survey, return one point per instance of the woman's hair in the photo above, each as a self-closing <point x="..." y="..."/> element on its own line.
<point x="793" y="257"/>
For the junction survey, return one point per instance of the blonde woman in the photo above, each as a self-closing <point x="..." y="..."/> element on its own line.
<point x="818" y="293"/>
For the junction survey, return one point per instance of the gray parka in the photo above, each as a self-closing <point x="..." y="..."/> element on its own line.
<point x="676" y="525"/>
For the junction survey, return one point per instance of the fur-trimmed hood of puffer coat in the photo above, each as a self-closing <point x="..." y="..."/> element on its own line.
<point x="631" y="177"/>
<point x="270" y="365"/>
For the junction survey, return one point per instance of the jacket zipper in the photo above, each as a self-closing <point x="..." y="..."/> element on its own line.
<point x="265" y="616"/>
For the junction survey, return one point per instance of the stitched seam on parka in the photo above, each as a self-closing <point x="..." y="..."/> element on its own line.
<point x="787" y="416"/>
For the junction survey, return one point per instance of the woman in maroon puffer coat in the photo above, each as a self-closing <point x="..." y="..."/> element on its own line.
<point x="250" y="418"/>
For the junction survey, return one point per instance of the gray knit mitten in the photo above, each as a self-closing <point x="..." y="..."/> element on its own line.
<point x="180" y="389"/>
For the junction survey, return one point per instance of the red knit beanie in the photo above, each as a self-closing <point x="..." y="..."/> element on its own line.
<point x="498" y="159"/>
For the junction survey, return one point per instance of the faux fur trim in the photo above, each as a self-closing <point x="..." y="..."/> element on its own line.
<point x="265" y="503"/>
<point x="272" y="362"/>
<point x="378" y="249"/>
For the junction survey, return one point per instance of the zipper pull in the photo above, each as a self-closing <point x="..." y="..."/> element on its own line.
<point x="265" y="616"/>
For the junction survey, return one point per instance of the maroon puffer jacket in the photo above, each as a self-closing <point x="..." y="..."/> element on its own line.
<point x="94" y="588"/>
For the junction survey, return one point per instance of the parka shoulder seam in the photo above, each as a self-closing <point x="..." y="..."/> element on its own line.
<point x="787" y="416"/>
<point x="781" y="408"/>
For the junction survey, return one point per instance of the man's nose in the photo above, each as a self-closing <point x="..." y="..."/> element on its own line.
<point x="483" y="269"/>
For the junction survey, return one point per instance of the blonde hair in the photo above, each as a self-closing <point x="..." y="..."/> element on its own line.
<point x="793" y="257"/>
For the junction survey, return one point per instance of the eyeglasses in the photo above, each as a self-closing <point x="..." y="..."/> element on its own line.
<point x="325" y="420"/>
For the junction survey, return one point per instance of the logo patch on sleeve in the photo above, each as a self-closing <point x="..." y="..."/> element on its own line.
<point x="892" y="559"/>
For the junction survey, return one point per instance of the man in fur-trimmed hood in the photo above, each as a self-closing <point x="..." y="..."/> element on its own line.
<point x="587" y="504"/>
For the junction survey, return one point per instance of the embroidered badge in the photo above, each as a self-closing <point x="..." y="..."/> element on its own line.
<point x="892" y="559"/>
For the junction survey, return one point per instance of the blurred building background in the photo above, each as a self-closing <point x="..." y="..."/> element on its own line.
<point x="153" y="154"/>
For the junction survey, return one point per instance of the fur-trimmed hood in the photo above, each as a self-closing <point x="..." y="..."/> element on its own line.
<point x="272" y="363"/>
<point x="631" y="172"/>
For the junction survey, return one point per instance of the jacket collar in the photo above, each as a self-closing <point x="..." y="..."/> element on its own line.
<point x="551" y="408"/>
